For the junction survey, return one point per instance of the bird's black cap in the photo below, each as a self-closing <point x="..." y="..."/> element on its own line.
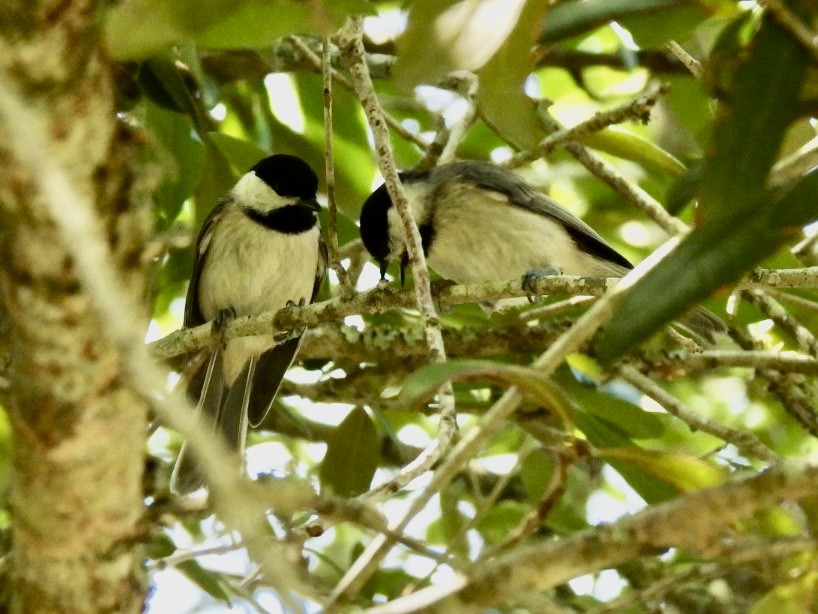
<point x="288" y="176"/>
<point x="375" y="226"/>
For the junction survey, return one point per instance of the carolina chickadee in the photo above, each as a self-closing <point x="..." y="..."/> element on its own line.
<point x="479" y="222"/>
<point x="258" y="250"/>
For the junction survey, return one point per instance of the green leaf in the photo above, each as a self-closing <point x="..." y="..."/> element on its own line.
<point x="502" y="101"/>
<point x="241" y="154"/>
<point x="606" y="436"/>
<point x="753" y="120"/>
<point x="160" y="80"/>
<point x="451" y="521"/>
<point x="209" y="581"/>
<point x="743" y="222"/>
<point x="500" y="520"/>
<point x="180" y="155"/>
<point x="353" y="455"/>
<point x="216" y="179"/>
<point x="630" y="419"/>
<point x="684" y="472"/>
<point x="792" y="596"/>
<point x="718" y="253"/>
<point x="573" y="17"/>
<point x="623" y="144"/>
<point x="653" y="29"/>
<point x="421" y="385"/>
<point x="536" y="473"/>
<point x="223" y="24"/>
<point x="353" y="156"/>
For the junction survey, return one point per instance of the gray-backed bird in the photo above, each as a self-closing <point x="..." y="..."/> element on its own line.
<point x="479" y="222"/>
<point x="258" y="250"/>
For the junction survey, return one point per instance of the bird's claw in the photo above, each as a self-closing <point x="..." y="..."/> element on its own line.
<point x="531" y="278"/>
<point x="222" y="319"/>
<point x="286" y="335"/>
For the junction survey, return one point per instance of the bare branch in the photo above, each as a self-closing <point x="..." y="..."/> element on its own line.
<point x="695" y="523"/>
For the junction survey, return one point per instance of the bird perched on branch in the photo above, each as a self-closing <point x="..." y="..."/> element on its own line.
<point x="259" y="250"/>
<point x="479" y="222"/>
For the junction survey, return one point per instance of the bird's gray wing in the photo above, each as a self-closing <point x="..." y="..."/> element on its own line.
<point x="488" y="176"/>
<point x="520" y="194"/>
<point x="193" y="313"/>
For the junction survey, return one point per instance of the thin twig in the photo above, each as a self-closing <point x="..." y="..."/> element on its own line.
<point x="627" y="189"/>
<point x="329" y="168"/>
<point x="748" y="443"/>
<point x="384" y="298"/>
<point x="689" y="62"/>
<point x="714" y="359"/>
<point x="637" y="109"/>
<point x="801" y="334"/>
<point x="467" y="84"/>
<point x="351" y="45"/>
<point x="377" y="300"/>
<point x="473" y="441"/>
<point x="317" y="65"/>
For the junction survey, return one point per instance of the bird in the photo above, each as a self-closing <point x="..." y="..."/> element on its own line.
<point x="479" y="222"/>
<point x="259" y="250"/>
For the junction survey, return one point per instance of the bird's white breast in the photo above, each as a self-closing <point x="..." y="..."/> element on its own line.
<point x="252" y="269"/>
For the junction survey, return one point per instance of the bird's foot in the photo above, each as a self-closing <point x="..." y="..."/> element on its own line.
<point x="286" y="335"/>
<point x="530" y="279"/>
<point x="222" y="319"/>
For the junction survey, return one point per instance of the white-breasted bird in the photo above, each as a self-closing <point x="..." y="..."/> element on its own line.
<point x="258" y="250"/>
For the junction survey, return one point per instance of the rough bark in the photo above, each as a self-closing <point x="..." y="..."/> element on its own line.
<point x="78" y="448"/>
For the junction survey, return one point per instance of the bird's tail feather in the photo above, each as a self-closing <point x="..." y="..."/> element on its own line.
<point x="270" y="370"/>
<point x="224" y="408"/>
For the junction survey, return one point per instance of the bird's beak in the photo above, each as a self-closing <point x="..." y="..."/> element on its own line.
<point x="312" y="204"/>
<point x="384" y="265"/>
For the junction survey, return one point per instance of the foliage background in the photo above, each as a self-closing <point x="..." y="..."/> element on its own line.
<point x="212" y="88"/>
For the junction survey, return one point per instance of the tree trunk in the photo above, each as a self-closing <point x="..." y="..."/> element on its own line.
<point x="77" y="431"/>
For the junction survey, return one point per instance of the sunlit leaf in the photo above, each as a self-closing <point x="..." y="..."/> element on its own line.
<point x="449" y="35"/>
<point x="502" y="100"/>
<point x="684" y="472"/>
<point x="797" y="595"/>
<point x="624" y="144"/>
